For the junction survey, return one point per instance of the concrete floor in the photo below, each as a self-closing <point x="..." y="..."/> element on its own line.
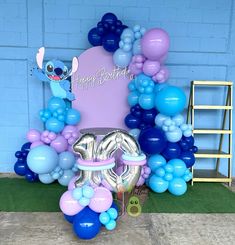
<point x="164" y="229"/>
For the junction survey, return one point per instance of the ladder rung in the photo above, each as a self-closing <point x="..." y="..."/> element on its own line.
<point x="213" y="83"/>
<point x="212" y="131"/>
<point x="212" y="107"/>
<point x="212" y="154"/>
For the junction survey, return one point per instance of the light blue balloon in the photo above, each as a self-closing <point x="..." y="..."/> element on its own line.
<point x="160" y="172"/>
<point x="54" y="125"/>
<point x="73" y="117"/>
<point x="142" y="79"/>
<point x="113" y="214"/>
<point x="42" y="159"/>
<point x="169" y="168"/>
<point x="88" y="191"/>
<point x="135" y="133"/>
<point x="178" y="119"/>
<point x="77" y="193"/>
<point x="159" y="86"/>
<point x="84" y="201"/>
<point x="133" y="98"/>
<point x="187" y="177"/>
<point x="104" y="218"/>
<point x="128" y="33"/>
<point x="66" y="160"/>
<point x="177" y="187"/>
<point x="56" y="103"/>
<point x="175" y="135"/>
<point x="158" y="184"/>
<point x="168" y="177"/>
<point x="188" y="133"/>
<point x="159" y="119"/>
<point x="156" y="161"/>
<point x="179" y="167"/>
<point x="122" y="58"/>
<point x="111" y="225"/>
<point x="136" y="49"/>
<point x="45" y="178"/>
<point x="170" y="101"/>
<point x="66" y="177"/>
<point x="146" y="101"/>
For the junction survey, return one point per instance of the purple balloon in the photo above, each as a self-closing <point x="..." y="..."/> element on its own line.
<point x="133" y="69"/>
<point x="102" y="200"/>
<point x="140" y="181"/>
<point x="33" y="135"/>
<point x="155" y="43"/>
<point x="71" y="184"/>
<point x="150" y="67"/>
<point x="60" y="144"/>
<point x="68" y="205"/>
<point x="36" y="143"/>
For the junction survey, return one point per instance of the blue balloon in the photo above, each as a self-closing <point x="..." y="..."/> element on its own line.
<point x="77" y="193"/>
<point x="135" y="132"/>
<point x="73" y="117"/>
<point x="133" y="98"/>
<point x="156" y="161"/>
<point x="88" y="191"/>
<point x="158" y="184"/>
<point x="152" y="140"/>
<point x="109" y="18"/>
<point x="174" y="135"/>
<point x="26" y="146"/>
<point x="177" y="186"/>
<point x="148" y="116"/>
<point x="66" y="160"/>
<point x="18" y="154"/>
<point x="131" y="121"/>
<point x="21" y="168"/>
<point x="111" y="42"/>
<point x="170" y="101"/>
<point x="69" y="218"/>
<point x="31" y="176"/>
<point x="171" y="151"/>
<point x="113" y="213"/>
<point x="136" y="111"/>
<point x="114" y="205"/>
<point x="86" y="225"/>
<point x="94" y="38"/>
<point x="188" y="158"/>
<point x="146" y="101"/>
<point x="66" y="177"/>
<point x="54" y="125"/>
<point x="104" y="218"/>
<point x="121" y="58"/>
<point x="111" y="225"/>
<point x="136" y="49"/>
<point x="55" y="103"/>
<point x="42" y="159"/>
<point x="46" y="178"/>
<point x="186" y="143"/>
<point x="179" y="167"/>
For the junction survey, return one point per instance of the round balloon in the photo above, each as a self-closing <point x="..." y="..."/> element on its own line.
<point x="55" y="103"/>
<point x="177" y="186"/>
<point x="66" y="177"/>
<point x="94" y="38"/>
<point x="73" y="117"/>
<point x="46" y="178"/>
<point x="66" y="160"/>
<point x="158" y="184"/>
<point x="121" y="58"/>
<point x="171" y="151"/>
<point x="54" y="125"/>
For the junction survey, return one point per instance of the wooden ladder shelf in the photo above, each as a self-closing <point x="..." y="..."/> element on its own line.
<point x="200" y="175"/>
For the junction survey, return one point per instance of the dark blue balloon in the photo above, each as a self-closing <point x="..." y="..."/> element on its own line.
<point x="26" y="146"/>
<point x="111" y="42"/>
<point x="109" y="18"/>
<point x="94" y="38"/>
<point x="69" y="218"/>
<point x="21" y="168"/>
<point x="131" y="121"/>
<point x="186" y="143"/>
<point x="18" y="154"/>
<point x="31" y="176"/>
<point x="86" y="225"/>
<point x="148" y="116"/>
<point x="136" y="111"/>
<point x="152" y="140"/>
<point x="171" y="151"/>
<point x="143" y="126"/>
<point x="114" y="205"/>
<point x="188" y="158"/>
<point x="24" y="154"/>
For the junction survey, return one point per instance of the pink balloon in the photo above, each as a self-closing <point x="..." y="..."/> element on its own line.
<point x="102" y="200"/>
<point x="155" y="43"/>
<point x="60" y="144"/>
<point x="52" y="135"/>
<point x="150" y="68"/>
<point x="134" y="70"/>
<point x="33" y="135"/>
<point x="69" y="129"/>
<point x="68" y="205"/>
<point x="36" y="143"/>
<point x="45" y="133"/>
<point x="71" y="184"/>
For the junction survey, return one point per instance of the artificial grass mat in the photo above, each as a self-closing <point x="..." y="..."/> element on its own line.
<point x="17" y="195"/>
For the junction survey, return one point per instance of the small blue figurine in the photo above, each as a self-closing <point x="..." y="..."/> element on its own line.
<point x="56" y="73"/>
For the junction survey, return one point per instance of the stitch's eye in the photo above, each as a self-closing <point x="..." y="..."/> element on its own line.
<point x="49" y="67"/>
<point x="65" y="71"/>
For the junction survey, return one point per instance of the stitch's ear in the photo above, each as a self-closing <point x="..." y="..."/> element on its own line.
<point x="74" y="65"/>
<point x="39" y="57"/>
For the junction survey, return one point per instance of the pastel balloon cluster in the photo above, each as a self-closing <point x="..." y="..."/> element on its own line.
<point x="85" y="205"/>
<point x="145" y="172"/>
<point x="57" y="115"/>
<point x="139" y="118"/>
<point x="107" y="33"/>
<point x="171" y="175"/>
<point x="21" y="166"/>
<point x="108" y="219"/>
<point x="174" y="127"/>
<point x="129" y="45"/>
<point x="51" y="166"/>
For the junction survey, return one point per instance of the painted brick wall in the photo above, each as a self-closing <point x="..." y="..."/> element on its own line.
<point x="202" y="47"/>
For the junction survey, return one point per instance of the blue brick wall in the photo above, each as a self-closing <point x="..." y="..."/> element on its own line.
<point x="202" y="47"/>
